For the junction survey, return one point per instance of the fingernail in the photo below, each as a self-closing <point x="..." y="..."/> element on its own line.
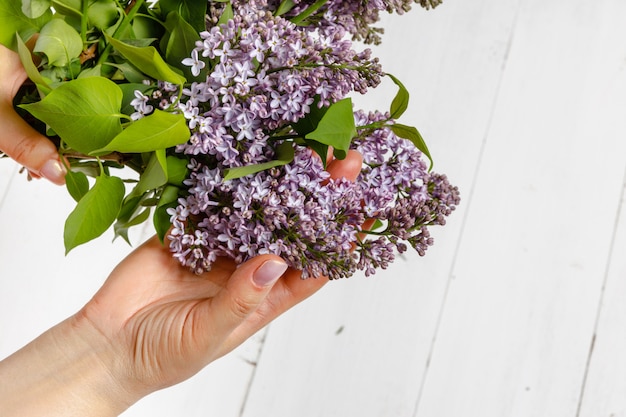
<point x="268" y="273"/>
<point x="53" y="171"/>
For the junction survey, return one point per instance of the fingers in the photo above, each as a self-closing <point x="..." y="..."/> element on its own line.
<point x="246" y="290"/>
<point x="29" y="148"/>
<point x="12" y="74"/>
<point x="289" y="291"/>
<point x="17" y="139"/>
<point x="349" y="168"/>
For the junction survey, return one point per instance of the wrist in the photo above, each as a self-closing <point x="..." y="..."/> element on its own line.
<point x="70" y="370"/>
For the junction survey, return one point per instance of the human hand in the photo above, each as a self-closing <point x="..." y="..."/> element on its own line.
<point x="168" y="323"/>
<point x="151" y="325"/>
<point x="17" y="139"/>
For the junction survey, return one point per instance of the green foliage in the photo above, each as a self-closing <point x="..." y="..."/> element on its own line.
<point x="31" y="70"/>
<point x="177" y="43"/>
<point x="192" y="11"/>
<point x="94" y="55"/>
<point x="285" y="7"/>
<point x="160" y="130"/>
<point x="59" y="42"/>
<point x="77" y="184"/>
<point x="412" y="134"/>
<point x="336" y="128"/>
<point x="284" y="155"/>
<point x="15" y="21"/>
<point x="401" y="101"/>
<point x="148" y="60"/>
<point x="85" y="113"/>
<point x="103" y="14"/>
<point x="153" y="177"/>
<point x="95" y="212"/>
<point x="35" y="8"/>
<point x="308" y="12"/>
<point x="161" y="220"/>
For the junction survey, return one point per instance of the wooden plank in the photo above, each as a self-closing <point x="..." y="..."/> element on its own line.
<point x="520" y="315"/>
<point x="39" y="287"/>
<point x="218" y="390"/>
<point x="604" y="388"/>
<point x="7" y="170"/>
<point x="361" y="346"/>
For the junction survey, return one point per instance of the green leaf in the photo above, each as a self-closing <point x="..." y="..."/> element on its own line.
<point x="309" y="123"/>
<point x="122" y="228"/>
<point x="192" y="11"/>
<point x="77" y="184"/>
<point x="336" y="128"/>
<point x="83" y="112"/>
<point x="401" y="101"/>
<point x="94" y="213"/>
<point x="178" y="43"/>
<point x="31" y="70"/>
<point x="129" y="72"/>
<point x="377" y="225"/>
<point x="284" y="7"/>
<point x="68" y="7"/>
<point x="227" y="14"/>
<point x="153" y="177"/>
<point x="160" y="130"/>
<point x="320" y="149"/>
<point x="177" y="170"/>
<point x="145" y="27"/>
<point x="91" y="72"/>
<point x="15" y="21"/>
<point x="59" y="42"/>
<point x="309" y="11"/>
<point x="161" y="219"/>
<point x="35" y="8"/>
<point x="412" y="134"/>
<point x="284" y="155"/>
<point x="131" y="214"/>
<point x="148" y="60"/>
<point x="162" y="158"/>
<point x="102" y="13"/>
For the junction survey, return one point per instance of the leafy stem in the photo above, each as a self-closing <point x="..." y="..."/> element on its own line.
<point x="375" y="125"/>
<point x="312" y="9"/>
<point x="130" y="15"/>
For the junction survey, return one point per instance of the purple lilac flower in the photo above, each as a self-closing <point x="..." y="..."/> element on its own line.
<point x="399" y="192"/>
<point x="354" y="17"/>
<point x="264" y="74"/>
<point x="294" y="211"/>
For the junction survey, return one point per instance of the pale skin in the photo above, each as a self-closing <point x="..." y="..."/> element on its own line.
<point x="152" y="324"/>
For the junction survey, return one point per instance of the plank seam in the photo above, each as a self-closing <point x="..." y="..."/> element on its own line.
<point x="246" y="394"/>
<point x="599" y="310"/>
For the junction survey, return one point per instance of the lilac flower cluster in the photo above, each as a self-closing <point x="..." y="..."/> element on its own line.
<point x="399" y="192"/>
<point x="262" y="74"/>
<point x="355" y="17"/>
<point x="314" y="222"/>
<point x="294" y="211"/>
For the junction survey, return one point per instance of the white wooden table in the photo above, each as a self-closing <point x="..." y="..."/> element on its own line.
<point x="520" y="307"/>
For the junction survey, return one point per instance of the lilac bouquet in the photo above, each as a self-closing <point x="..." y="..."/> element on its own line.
<point x="228" y="112"/>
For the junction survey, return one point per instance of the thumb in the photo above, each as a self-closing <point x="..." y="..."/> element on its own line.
<point x="247" y="288"/>
<point x="29" y="148"/>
